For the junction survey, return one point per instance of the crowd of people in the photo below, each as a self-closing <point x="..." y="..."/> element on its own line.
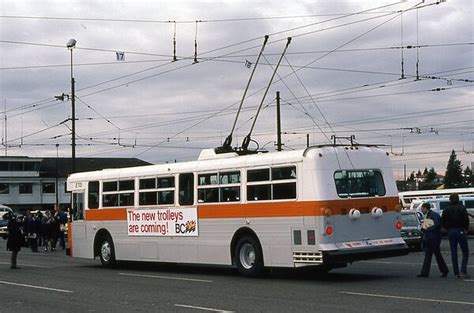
<point x="36" y="230"/>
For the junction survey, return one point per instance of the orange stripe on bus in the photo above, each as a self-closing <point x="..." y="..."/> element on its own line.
<point x="117" y="214"/>
<point x="69" y="237"/>
<point x="269" y="209"/>
<point x="300" y="208"/>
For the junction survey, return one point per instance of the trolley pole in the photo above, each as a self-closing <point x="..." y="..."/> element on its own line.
<point x="278" y="121"/>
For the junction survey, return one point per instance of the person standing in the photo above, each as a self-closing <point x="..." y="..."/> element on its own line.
<point x="456" y="221"/>
<point x="431" y="229"/>
<point x="61" y="219"/>
<point x="15" y="238"/>
<point x="31" y="229"/>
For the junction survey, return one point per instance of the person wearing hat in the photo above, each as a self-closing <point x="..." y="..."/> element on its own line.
<point x="431" y="229"/>
<point x="15" y="238"/>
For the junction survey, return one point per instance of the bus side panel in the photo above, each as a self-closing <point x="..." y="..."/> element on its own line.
<point x="81" y="246"/>
<point x="212" y="246"/>
<point x="274" y="235"/>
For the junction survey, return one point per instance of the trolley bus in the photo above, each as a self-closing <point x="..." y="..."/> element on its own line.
<point x="324" y="206"/>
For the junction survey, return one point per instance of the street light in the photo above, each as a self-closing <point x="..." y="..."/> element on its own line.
<point x="71" y="44"/>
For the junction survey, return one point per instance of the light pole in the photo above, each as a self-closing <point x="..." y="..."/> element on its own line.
<point x="71" y="44"/>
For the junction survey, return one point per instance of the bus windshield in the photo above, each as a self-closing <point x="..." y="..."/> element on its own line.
<point x="359" y="183"/>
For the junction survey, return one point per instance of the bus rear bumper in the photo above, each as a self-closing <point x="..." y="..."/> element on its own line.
<point x="349" y="252"/>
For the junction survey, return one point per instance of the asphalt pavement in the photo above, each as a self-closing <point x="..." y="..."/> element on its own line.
<point x="54" y="282"/>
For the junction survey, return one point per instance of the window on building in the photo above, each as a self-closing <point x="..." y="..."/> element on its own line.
<point x="156" y="191"/>
<point x="49" y="188"/>
<point x="16" y="166"/>
<point x="25" y="188"/>
<point x="278" y="183"/>
<point x="31" y="166"/>
<point x="219" y="187"/>
<point x="4" y="189"/>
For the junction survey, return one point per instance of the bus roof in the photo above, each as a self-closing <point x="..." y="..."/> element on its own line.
<point x="211" y="161"/>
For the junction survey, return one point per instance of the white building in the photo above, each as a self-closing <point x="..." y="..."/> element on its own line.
<point x="39" y="183"/>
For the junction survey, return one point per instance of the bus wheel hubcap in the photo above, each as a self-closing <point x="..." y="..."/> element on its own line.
<point x="105" y="251"/>
<point x="247" y="256"/>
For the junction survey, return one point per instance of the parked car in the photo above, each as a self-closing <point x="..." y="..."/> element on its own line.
<point x="411" y="229"/>
<point x="3" y="228"/>
<point x="4" y="209"/>
<point x="3" y="223"/>
<point x="439" y="204"/>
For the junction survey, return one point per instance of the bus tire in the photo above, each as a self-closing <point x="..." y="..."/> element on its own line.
<point x="249" y="257"/>
<point x="107" y="251"/>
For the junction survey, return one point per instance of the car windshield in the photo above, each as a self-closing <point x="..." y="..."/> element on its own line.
<point x="409" y="220"/>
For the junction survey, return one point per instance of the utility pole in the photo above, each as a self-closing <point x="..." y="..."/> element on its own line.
<point x="56" y="184"/>
<point x="307" y="140"/>
<point x="71" y="44"/>
<point x="6" y="128"/>
<point x="278" y="121"/>
<point x="73" y="114"/>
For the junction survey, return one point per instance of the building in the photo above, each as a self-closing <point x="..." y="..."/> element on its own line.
<point x="39" y="183"/>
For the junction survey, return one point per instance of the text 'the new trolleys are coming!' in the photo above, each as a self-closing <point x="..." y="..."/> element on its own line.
<point x="325" y="206"/>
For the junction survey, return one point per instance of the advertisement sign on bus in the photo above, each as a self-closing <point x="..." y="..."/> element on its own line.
<point x="162" y="222"/>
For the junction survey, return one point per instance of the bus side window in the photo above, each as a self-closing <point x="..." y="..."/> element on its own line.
<point x="93" y="197"/>
<point x="186" y="189"/>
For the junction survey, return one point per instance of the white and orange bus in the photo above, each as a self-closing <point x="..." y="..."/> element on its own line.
<point x="323" y="206"/>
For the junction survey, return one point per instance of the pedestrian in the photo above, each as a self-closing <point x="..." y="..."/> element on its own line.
<point x="47" y="229"/>
<point x="15" y="238"/>
<point x="61" y="219"/>
<point x="431" y="229"/>
<point x="456" y="221"/>
<point x="39" y="228"/>
<point x="31" y="230"/>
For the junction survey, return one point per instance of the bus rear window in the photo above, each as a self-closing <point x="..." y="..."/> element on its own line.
<point x="359" y="183"/>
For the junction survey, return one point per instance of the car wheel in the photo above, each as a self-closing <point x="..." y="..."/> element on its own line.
<point x="248" y="257"/>
<point x="107" y="252"/>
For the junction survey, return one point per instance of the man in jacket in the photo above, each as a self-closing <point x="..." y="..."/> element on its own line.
<point x="15" y="238"/>
<point x="456" y="221"/>
<point x="431" y="229"/>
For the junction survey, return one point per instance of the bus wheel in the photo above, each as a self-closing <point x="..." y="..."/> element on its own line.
<point x="107" y="251"/>
<point x="249" y="257"/>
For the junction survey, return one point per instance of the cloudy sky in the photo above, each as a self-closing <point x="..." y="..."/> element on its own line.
<point x="342" y="74"/>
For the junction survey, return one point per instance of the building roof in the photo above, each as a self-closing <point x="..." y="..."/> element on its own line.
<point x="64" y="165"/>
